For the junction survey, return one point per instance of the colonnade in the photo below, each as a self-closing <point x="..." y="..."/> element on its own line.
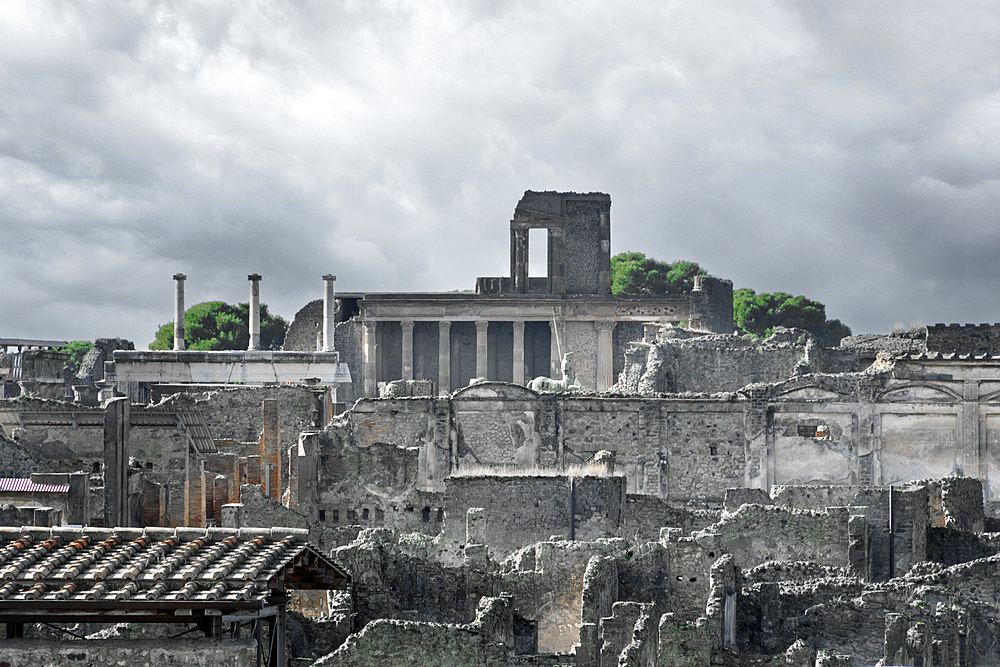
<point x="600" y="376"/>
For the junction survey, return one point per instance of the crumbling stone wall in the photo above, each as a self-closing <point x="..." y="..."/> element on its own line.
<point x="714" y="363"/>
<point x="130" y="653"/>
<point x="399" y="578"/>
<point x="525" y="509"/>
<point x="52" y="448"/>
<point x="378" y="484"/>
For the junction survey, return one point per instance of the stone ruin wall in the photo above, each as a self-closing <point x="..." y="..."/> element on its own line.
<point x="680" y="361"/>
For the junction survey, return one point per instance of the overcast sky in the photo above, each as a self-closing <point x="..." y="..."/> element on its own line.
<point x="847" y="150"/>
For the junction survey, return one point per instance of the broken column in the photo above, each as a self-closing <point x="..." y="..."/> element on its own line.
<point x="179" y="311"/>
<point x="254" y="279"/>
<point x="329" y="312"/>
<point x="116" y="432"/>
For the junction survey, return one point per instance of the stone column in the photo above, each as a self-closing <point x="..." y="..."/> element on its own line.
<point x="444" y="358"/>
<point x="482" y="327"/>
<point x="407" y="326"/>
<point x="370" y="350"/>
<point x="605" y="356"/>
<point x="179" y="311"/>
<point x="557" y="348"/>
<point x="254" y="279"/>
<point x="329" y="312"/>
<point x="519" y="352"/>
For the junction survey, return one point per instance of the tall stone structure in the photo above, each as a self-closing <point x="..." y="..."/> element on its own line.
<point x="518" y="327"/>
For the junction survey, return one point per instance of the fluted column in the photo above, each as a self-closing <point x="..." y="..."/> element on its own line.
<point x="605" y="355"/>
<point x="254" y="279"/>
<point x="407" y="326"/>
<point x="519" y="352"/>
<point x="179" y="311"/>
<point x="482" y="341"/>
<point x="369" y="351"/>
<point x="444" y="358"/>
<point x="329" y="312"/>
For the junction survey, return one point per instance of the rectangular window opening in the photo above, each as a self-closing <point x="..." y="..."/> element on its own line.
<point x="538" y="253"/>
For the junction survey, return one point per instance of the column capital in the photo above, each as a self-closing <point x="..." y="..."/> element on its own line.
<point x="254" y="277"/>
<point x="482" y="326"/>
<point x="519" y="325"/>
<point x="406" y="324"/>
<point x="180" y="276"/>
<point x="329" y="277"/>
<point x="604" y="325"/>
<point x="444" y="325"/>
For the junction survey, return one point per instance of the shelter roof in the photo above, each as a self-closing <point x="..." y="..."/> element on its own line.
<point x="155" y="570"/>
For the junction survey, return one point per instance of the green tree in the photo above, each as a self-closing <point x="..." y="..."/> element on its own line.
<point x="759" y="314"/>
<point x="634" y="273"/>
<point x="77" y="350"/>
<point x="215" y="325"/>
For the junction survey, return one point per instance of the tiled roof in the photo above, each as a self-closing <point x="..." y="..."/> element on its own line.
<point x="26" y="485"/>
<point x="136" y="567"/>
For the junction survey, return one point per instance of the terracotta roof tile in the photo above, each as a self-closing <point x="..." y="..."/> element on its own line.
<point x="135" y="566"/>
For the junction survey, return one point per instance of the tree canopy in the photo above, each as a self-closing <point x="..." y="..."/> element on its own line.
<point x="634" y="273"/>
<point x="760" y="313"/>
<point x="216" y="325"/>
<point x="77" y="350"/>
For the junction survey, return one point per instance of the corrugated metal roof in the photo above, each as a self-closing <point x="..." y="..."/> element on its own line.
<point x="24" y="484"/>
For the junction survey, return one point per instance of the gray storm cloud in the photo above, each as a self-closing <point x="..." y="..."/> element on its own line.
<point x="845" y="151"/>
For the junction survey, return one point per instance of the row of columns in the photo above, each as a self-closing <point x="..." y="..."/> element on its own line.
<point x="329" y="311"/>
<point x="604" y="367"/>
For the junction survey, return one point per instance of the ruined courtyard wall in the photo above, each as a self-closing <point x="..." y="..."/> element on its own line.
<point x="369" y="483"/>
<point x="522" y="510"/>
<point x="235" y="413"/>
<point x="781" y="534"/>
